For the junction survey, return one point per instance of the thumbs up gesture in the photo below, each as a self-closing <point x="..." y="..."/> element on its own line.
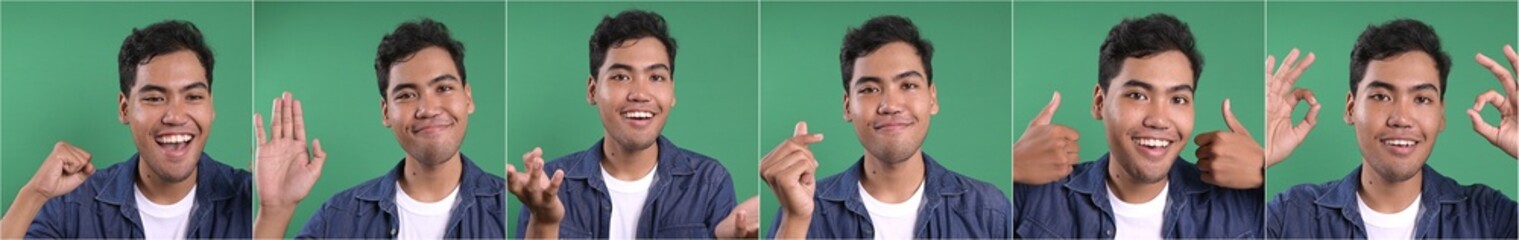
<point x="1231" y="158"/>
<point x="1046" y="152"/>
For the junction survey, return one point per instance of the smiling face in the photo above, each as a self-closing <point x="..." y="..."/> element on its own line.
<point x="890" y="102"/>
<point x="634" y="90"/>
<point x="1147" y="111"/>
<point x="1397" y="113"/>
<point x="428" y="106"/>
<point x="169" y="111"/>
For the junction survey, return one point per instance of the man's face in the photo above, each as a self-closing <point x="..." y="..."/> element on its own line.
<point x="169" y="111"/>
<point x="1147" y="112"/>
<point x="890" y="102"/>
<point x="1397" y="113"/>
<point x="429" y="106"/>
<point x="634" y="93"/>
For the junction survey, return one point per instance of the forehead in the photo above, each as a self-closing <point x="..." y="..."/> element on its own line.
<point x="422" y="67"/>
<point x="1162" y="70"/>
<point x="1404" y="69"/>
<point x="171" y="70"/>
<point x="637" y="53"/>
<point x="887" y="61"/>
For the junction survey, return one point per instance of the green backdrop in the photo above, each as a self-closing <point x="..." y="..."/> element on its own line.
<point x="1056" y="47"/>
<point x="60" y="80"/>
<point x="800" y="81"/>
<point x="1330" y="30"/>
<point x="323" y="53"/>
<point x="715" y="75"/>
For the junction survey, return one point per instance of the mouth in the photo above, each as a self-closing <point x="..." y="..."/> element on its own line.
<point x="1400" y="146"/>
<point x="639" y="118"/>
<point x="1153" y="147"/>
<point x="429" y="129"/>
<point x="174" y="144"/>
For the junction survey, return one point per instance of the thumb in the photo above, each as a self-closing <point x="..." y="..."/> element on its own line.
<point x="801" y="129"/>
<point x="1049" y="111"/>
<point x="1234" y="125"/>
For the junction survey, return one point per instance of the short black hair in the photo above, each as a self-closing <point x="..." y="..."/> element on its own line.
<point x="629" y="25"/>
<point x="158" y="39"/>
<point x="1395" y="37"/>
<point x="877" y="32"/>
<point x="1142" y="37"/>
<point x="408" y="39"/>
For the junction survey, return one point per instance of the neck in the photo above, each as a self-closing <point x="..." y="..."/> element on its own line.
<point x="159" y="189"/>
<point x="1388" y="196"/>
<point x="626" y="163"/>
<point x="892" y="182"/>
<point x="1132" y="189"/>
<point x="430" y="181"/>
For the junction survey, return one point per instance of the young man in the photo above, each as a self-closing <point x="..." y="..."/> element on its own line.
<point x="1142" y="189"/>
<point x="170" y="189"/>
<point x="434" y="192"/>
<point x="1396" y="104"/>
<point x="896" y="190"/>
<point x="634" y="183"/>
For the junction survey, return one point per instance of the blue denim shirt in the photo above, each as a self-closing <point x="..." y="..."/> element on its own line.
<point x="954" y="206"/>
<point x="104" y="206"/>
<point x="690" y="195"/>
<point x="369" y="209"/>
<point x="1447" y="210"/>
<point x="1077" y="206"/>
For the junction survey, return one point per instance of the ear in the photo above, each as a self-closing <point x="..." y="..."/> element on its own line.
<point x="121" y="108"/>
<point x="590" y="90"/>
<point x="672" y="90"/>
<point x="933" y="99"/>
<point x="1349" y="108"/>
<point x="469" y="98"/>
<point x="384" y="113"/>
<point x="846" y="107"/>
<point x="1098" y="97"/>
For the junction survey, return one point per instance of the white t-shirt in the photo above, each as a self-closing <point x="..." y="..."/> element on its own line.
<point x="1398" y="225"/>
<point x="424" y="220"/>
<point x="164" y="221"/>
<point x="1139" y="220"/>
<point x="893" y="220"/>
<point x="627" y="202"/>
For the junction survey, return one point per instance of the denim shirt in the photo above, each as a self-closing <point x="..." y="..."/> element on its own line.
<point x="691" y="193"/>
<point x="104" y="206"/>
<point x="1447" y="210"/>
<point x="369" y="209"/>
<point x="954" y="206"/>
<point x="1077" y="206"/>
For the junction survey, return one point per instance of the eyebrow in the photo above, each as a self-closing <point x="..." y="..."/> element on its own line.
<point x="444" y="77"/>
<point x="201" y="85"/>
<point x="899" y="76"/>
<point x="1380" y="84"/>
<point x="1427" y="86"/>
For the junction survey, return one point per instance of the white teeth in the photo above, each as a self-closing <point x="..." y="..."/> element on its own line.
<point x="177" y="138"/>
<point x="638" y="114"/>
<point x="1151" y="142"/>
<point x="1399" y="142"/>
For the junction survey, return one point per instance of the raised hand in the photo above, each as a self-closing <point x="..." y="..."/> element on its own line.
<point x="1506" y="135"/>
<point x="539" y="192"/>
<point x="61" y="172"/>
<point x="1046" y="152"/>
<point x="1281" y="99"/>
<point x="790" y="170"/>
<point x="743" y="222"/>
<point x="284" y="168"/>
<point x="1231" y="158"/>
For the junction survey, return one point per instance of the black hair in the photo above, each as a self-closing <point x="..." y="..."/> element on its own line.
<point x="1395" y="37"/>
<point x="408" y="39"/>
<point x="158" y="39"/>
<point x="877" y="32"/>
<point x="1142" y="37"/>
<point x="629" y="25"/>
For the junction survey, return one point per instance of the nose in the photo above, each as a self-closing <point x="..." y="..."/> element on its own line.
<point x="428" y="107"/>
<point x="1154" y="117"/>
<point x="638" y="90"/>
<point x="178" y="113"/>
<point x="890" y="104"/>
<point x="1397" y="117"/>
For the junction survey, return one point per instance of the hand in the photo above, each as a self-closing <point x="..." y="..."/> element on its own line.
<point x="1506" y="135"/>
<point x="285" y="169"/>
<point x="1281" y="100"/>
<point x="1232" y="158"/>
<point x="536" y="189"/>
<point x="63" y="170"/>
<point x="791" y="172"/>
<point x="743" y="222"/>
<point x="1046" y="152"/>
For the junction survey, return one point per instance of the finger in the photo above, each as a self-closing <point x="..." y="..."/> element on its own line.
<point x="1513" y="60"/>
<point x="1297" y="71"/>
<point x="800" y="129"/>
<point x="288" y="130"/>
<point x="1270" y="61"/>
<point x="1287" y="63"/>
<point x="1206" y="139"/>
<point x="779" y="158"/>
<point x="300" y="122"/>
<point x="1313" y="109"/>
<point x="1048" y="113"/>
<point x="558" y="179"/>
<point x="274" y="120"/>
<point x="1475" y="113"/>
<point x="1234" y="125"/>
<point x="258" y="129"/>
<point x="1500" y="72"/>
<point x="515" y="181"/>
<point x="318" y="156"/>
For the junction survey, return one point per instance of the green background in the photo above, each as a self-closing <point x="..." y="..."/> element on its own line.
<point x="1330" y="30"/>
<point x="60" y="80"/>
<point x="1056" y="47"/>
<point x="715" y="77"/>
<point x="800" y="81"/>
<point x="323" y="53"/>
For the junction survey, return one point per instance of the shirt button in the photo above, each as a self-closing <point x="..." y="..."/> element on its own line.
<point x="1108" y="232"/>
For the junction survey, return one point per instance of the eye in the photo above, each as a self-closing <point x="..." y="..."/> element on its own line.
<point x="1137" y="96"/>
<point x="909" y="86"/>
<point x="444" y="89"/>
<point x="1180" y="100"/>
<point x="1379" y="97"/>
<point x="619" y="77"/>
<point x="153" y="99"/>
<point x="658" y="78"/>
<point x="195" y="97"/>
<point x="867" y="90"/>
<point x="405" y="95"/>
<point x="1424" y="100"/>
